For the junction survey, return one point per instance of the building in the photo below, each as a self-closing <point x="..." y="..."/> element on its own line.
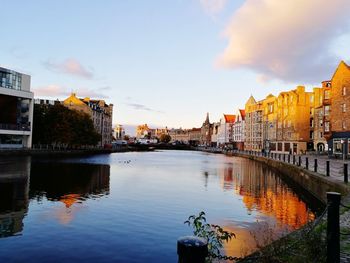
<point x="179" y="136"/>
<point x="224" y="135"/>
<point x="337" y="111"/>
<point x="253" y="139"/>
<point x="238" y="130"/>
<point x="214" y="136"/>
<point x="16" y="107"/>
<point x="320" y="100"/>
<point x="195" y="135"/>
<point x="161" y="131"/>
<point x="206" y="131"/>
<point x="99" y="111"/>
<point x="143" y="131"/>
<point x="119" y="132"/>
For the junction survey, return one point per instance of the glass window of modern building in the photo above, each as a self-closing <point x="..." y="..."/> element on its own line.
<point x="16" y="107"/>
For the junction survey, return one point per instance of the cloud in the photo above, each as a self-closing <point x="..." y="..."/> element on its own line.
<point x="69" y="66"/>
<point x="289" y="40"/>
<point x="57" y="91"/>
<point x="142" y="107"/>
<point x="213" y="7"/>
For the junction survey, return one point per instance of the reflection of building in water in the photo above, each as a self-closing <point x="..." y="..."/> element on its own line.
<point x="68" y="181"/>
<point x="265" y="192"/>
<point x="14" y="189"/>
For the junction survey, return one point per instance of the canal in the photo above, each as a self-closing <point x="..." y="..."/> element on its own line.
<point x="130" y="207"/>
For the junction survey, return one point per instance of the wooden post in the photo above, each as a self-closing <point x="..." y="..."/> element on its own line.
<point x="307" y="163"/>
<point x="299" y="162"/>
<point x="346" y="173"/>
<point x="293" y="159"/>
<point x="192" y="249"/>
<point x="315" y="166"/>
<point x="333" y="240"/>
<point x="327" y="168"/>
<point x="284" y="157"/>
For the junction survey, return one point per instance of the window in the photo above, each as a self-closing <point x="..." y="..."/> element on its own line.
<point x="344" y="91"/>
<point x="326" y="94"/>
<point x="326" y="110"/>
<point x="326" y="126"/>
<point x="321" y="123"/>
<point x="311" y="134"/>
<point x="279" y="146"/>
<point x="343" y="106"/>
<point x="321" y="134"/>
<point x="344" y="125"/>
<point x="311" y="98"/>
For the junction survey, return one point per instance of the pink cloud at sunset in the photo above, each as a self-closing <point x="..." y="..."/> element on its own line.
<point x="69" y="66"/>
<point x="57" y="91"/>
<point x="289" y="40"/>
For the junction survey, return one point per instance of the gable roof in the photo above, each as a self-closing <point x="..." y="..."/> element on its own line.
<point x="341" y="65"/>
<point x="229" y="118"/>
<point x="242" y="112"/>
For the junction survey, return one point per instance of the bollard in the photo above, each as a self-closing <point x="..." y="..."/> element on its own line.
<point x="307" y="163"/>
<point x="315" y="166"/>
<point x="192" y="249"/>
<point x="284" y="157"/>
<point x="346" y="173"/>
<point x="327" y="168"/>
<point x="299" y="162"/>
<point x="288" y="158"/>
<point x="333" y="240"/>
<point x="293" y="159"/>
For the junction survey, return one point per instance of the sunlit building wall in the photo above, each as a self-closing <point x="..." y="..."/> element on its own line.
<point x="253" y="125"/>
<point x="99" y="111"/>
<point x="339" y="111"/>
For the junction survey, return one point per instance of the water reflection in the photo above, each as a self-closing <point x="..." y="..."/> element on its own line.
<point x="14" y="188"/>
<point x="64" y="182"/>
<point x="68" y="182"/>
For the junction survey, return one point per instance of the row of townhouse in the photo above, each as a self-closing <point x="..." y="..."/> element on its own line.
<point x="297" y="121"/>
<point x="294" y="121"/>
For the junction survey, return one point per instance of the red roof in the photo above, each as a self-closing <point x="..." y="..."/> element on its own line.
<point x="230" y="118"/>
<point x="242" y="112"/>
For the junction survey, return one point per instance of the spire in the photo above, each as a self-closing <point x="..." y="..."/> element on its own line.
<point x="207" y="119"/>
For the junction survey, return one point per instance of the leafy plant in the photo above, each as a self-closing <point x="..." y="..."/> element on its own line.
<point x="214" y="234"/>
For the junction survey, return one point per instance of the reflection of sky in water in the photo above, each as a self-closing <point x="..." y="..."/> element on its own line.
<point x="80" y="208"/>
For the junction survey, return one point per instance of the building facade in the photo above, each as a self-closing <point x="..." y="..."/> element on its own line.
<point x="16" y="107"/>
<point x="337" y="112"/>
<point x="100" y="113"/>
<point x="224" y="135"/>
<point x="119" y="132"/>
<point x="253" y="136"/>
<point x="206" y="131"/>
<point x="238" y="130"/>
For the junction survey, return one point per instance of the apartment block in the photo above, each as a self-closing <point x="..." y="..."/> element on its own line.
<point x="16" y="107"/>
<point x="338" y="111"/>
<point x="253" y="138"/>
<point x="99" y="111"/>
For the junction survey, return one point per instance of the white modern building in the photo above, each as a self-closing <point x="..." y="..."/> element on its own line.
<point x="16" y="110"/>
<point x="119" y="132"/>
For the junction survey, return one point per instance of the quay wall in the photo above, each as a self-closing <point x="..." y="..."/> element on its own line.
<point x="315" y="184"/>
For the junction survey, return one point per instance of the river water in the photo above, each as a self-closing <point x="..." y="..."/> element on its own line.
<point x="130" y="207"/>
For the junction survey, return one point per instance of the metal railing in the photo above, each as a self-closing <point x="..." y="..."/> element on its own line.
<point x="322" y="166"/>
<point x="15" y="127"/>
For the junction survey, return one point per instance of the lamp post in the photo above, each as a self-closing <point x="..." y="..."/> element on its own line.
<point x="343" y="148"/>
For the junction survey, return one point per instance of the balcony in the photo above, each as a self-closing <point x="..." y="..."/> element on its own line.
<point x="15" y="127"/>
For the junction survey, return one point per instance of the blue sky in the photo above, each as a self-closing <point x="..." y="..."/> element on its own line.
<point x="167" y="63"/>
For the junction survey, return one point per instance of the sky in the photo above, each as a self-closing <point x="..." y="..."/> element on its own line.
<point x="169" y="62"/>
